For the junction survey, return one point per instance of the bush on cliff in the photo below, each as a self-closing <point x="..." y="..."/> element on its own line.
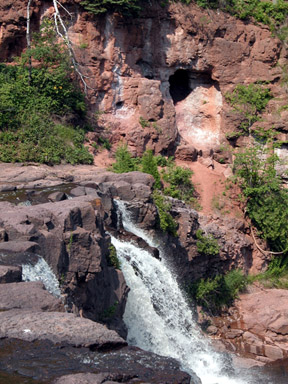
<point x="266" y="198"/>
<point x="214" y="293"/>
<point x="206" y="244"/>
<point x="249" y="101"/>
<point x="39" y="107"/>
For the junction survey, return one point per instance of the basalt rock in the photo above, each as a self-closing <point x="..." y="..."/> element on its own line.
<point x="10" y="274"/>
<point x="30" y="296"/>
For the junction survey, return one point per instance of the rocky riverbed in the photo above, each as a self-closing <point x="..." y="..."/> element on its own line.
<point x="61" y="215"/>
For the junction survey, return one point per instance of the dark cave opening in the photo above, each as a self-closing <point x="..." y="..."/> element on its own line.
<point x="179" y="85"/>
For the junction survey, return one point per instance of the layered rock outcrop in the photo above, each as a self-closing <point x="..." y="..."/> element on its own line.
<point x="164" y="82"/>
<point x="257" y="326"/>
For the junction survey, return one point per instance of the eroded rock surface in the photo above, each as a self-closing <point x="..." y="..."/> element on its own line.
<point x="258" y="324"/>
<point x="165" y="78"/>
<point x="30" y="296"/>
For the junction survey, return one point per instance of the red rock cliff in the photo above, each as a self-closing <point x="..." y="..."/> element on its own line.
<point x="171" y="67"/>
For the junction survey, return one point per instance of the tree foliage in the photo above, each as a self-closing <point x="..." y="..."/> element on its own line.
<point x="249" y="101"/>
<point x="97" y="7"/>
<point x="166" y="221"/>
<point x="37" y="111"/>
<point x="124" y="161"/>
<point x="214" y="293"/>
<point x="268" y="12"/>
<point x="179" y="182"/>
<point x="266" y="199"/>
<point x="206" y="244"/>
<point x="149" y="165"/>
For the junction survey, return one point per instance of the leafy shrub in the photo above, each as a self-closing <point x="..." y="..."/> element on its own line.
<point x="214" y="293"/>
<point x="113" y="258"/>
<point x="161" y="161"/>
<point x="180" y="186"/>
<point x="267" y="12"/>
<point x="149" y="165"/>
<point x="97" y="7"/>
<point x="166" y="221"/>
<point x="206" y="244"/>
<point x="104" y="143"/>
<point x="34" y="100"/>
<point x="266" y="199"/>
<point x="249" y="100"/>
<point x="124" y="161"/>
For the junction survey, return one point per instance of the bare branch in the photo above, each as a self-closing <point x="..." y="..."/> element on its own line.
<point x="64" y="35"/>
<point x="28" y="39"/>
<point x="65" y="9"/>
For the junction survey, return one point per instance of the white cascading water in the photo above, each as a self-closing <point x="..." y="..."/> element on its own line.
<point x="157" y="316"/>
<point x="42" y="272"/>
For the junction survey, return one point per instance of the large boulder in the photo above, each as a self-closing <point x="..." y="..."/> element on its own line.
<point x="58" y="328"/>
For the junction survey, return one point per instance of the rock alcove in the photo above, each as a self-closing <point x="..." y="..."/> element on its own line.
<point x="198" y="104"/>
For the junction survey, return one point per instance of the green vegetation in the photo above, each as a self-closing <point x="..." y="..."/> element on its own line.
<point x="110" y="312"/>
<point x="97" y="7"/>
<point x="179" y="180"/>
<point x="276" y="275"/>
<point x="215" y="293"/>
<point x="265" y="12"/>
<point x="266" y="199"/>
<point x="249" y="101"/>
<point x="206" y="244"/>
<point x="37" y="106"/>
<point x="124" y="161"/>
<point x="113" y="258"/>
<point x="166" y="221"/>
<point x="144" y="123"/>
<point x="149" y="165"/>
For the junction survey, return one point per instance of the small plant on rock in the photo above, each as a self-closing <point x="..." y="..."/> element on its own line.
<point x="206" y="244"/>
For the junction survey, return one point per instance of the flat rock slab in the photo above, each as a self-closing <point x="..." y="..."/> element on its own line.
<point x="10" y="274"/>
<point x="92" y="378"/>
<point x="28" y="296"/>
<point x="18" y="246"/>
<point x="58" y="328"/>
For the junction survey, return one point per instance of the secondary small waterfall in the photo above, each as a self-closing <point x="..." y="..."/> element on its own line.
<point x="41" y="272"/>
<point x="157" y="316"/>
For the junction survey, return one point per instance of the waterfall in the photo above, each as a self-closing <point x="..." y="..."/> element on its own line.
<point x="42" y="272"/>
<point x="157" y="316"/>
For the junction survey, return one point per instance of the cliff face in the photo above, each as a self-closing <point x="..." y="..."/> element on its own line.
<point x="170" y="67"/>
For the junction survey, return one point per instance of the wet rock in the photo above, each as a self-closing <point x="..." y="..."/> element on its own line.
<point x="30" y="296"/>
<point x="58" y="328"/>
<point x="138" y="241"/>
<point x="45" y="361"/>
<point x="10" y="274"/>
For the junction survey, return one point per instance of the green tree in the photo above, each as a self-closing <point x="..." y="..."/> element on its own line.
<point x="179" y="179"/>
<point x="124" y="161"/>
<point x="266" y="199"/>
<point x="149" y="165"/>
<point x="32" y="102"/>
<point x="102" y="6"/>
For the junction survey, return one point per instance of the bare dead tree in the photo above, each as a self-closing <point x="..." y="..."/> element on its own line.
<point x="62" y="32"/>
<point x="28" y="38"/>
